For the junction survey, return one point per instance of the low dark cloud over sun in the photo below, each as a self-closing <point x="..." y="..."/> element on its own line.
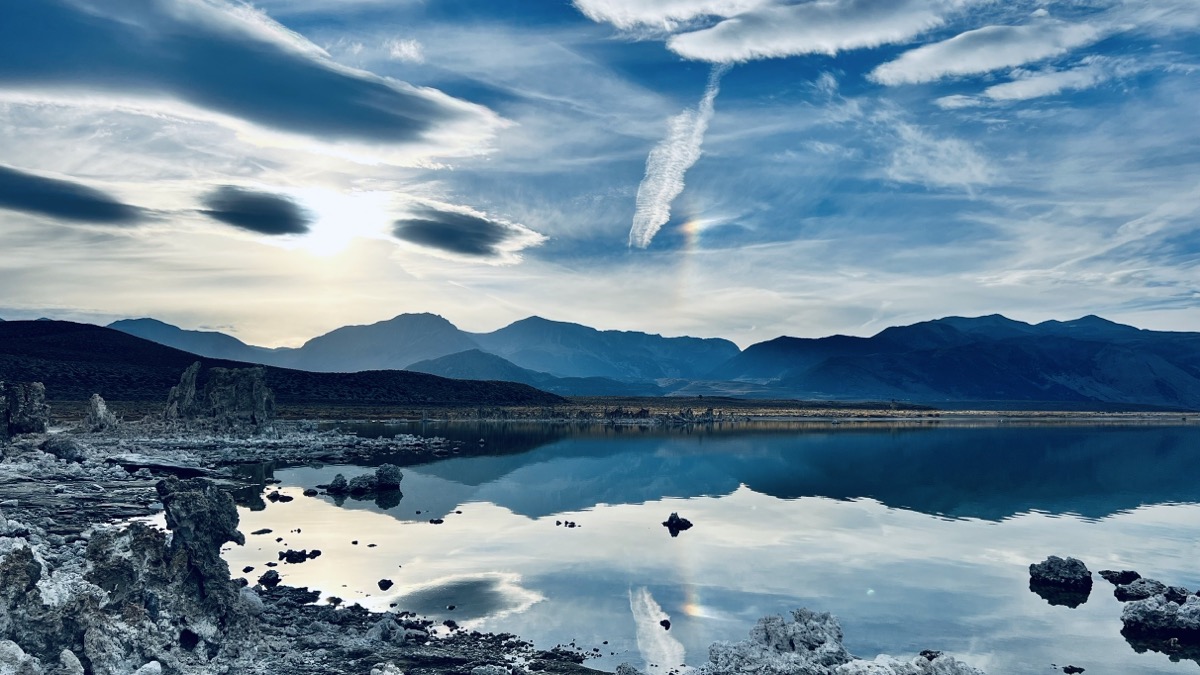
<point x="462" y="233"/>
<point x="260" y="212"/>
<point x="56" y="198"/>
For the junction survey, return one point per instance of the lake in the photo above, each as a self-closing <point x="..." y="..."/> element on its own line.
<point x="917" y="536"/>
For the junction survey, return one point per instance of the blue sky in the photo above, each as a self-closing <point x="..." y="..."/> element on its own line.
<point x="741" y="168"/>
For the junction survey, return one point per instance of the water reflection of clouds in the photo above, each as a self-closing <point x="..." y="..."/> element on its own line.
<point x="901" y="580"/>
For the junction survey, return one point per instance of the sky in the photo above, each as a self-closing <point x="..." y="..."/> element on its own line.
<point x="734" y="168"/>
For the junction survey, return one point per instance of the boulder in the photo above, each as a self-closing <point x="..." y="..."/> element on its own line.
<point x="99" y="417"/>
<point x="65" y="448"/>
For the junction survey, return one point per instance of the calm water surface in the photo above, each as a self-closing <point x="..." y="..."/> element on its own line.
<point x="916" y="538"/>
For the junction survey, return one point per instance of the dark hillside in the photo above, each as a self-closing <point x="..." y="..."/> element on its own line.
<point x="76" y="360"/>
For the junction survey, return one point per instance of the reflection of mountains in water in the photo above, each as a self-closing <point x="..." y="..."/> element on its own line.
<point x="989" y="473"/>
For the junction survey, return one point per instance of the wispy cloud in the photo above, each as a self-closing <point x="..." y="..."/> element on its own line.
<point x="58" y="198"/>
<point x="664" y="14"/>
<point x="985" y="49"/>
<point x="827" y="27"/>
<point x="668" y="163"/>
<point x="408" y="50"/>
<point x="919" y="157"/>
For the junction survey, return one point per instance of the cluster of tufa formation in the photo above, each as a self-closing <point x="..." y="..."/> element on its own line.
<point x="23" y="409"/>
<point x="231" y="398"/>
<point x="1156" y="617"/>
<point x="125" y="601"/>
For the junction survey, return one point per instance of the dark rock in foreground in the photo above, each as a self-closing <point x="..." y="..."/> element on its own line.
<point x="1063" y="582"/>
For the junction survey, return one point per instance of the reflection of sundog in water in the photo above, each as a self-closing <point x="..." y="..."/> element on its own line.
<point x="474" y="597"/>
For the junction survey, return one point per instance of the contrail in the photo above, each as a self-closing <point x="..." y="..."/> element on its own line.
<point x="669" y="161"/>
<point x="658" y="647"/>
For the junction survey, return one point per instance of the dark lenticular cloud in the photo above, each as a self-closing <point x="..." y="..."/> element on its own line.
<point x="204" y="55"/>
<point x="455" y="232"/>
<point x="260" y="212"/>
<point x="31" y="193"/>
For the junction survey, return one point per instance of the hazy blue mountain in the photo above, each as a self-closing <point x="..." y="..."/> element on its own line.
<point x="572" y="350"/>
<point x="478" y="365"/>
<point x="387" y="345"/>
<point x="204" y="343"/>
<point x="982" y="359"/>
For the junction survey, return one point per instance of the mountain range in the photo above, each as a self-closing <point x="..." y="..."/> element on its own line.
<point x="989" y="361"/>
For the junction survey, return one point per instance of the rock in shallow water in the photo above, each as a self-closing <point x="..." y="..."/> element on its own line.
<point x="1065" y="582"/>
<point x="1139" y="589"/>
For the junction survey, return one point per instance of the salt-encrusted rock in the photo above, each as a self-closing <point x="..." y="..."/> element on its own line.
<point x="386" y="669"/>
<point x="626" y="669"/>
<point x="24" y="409"/>
<point x="920" y="665"/>
<point x="810" y="644"/>
<point x="69" y="664"/>
<point x="1120" y="577"/>
<point x="181" y="400"/>
<point x="388" y="477"/>
<point x="251" y="600"/>
<point x="152" y="668"/>
<point x="1139" y="589"/>
<point x="99" y="417"/>
<point x="14" y="660"/>
<point x="489" y="670"/>
<point x="65" y="448"/>
<point x="1157" y="616"/>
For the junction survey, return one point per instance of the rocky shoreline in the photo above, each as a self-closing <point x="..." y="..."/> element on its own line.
<point x="80" y="594"/>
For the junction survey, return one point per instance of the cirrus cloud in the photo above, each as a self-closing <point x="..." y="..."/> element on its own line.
<point x="985" y="49"/>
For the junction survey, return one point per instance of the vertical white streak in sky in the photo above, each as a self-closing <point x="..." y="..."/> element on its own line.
<point x="658" y="647"/>
<point x="669" y="161"/>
